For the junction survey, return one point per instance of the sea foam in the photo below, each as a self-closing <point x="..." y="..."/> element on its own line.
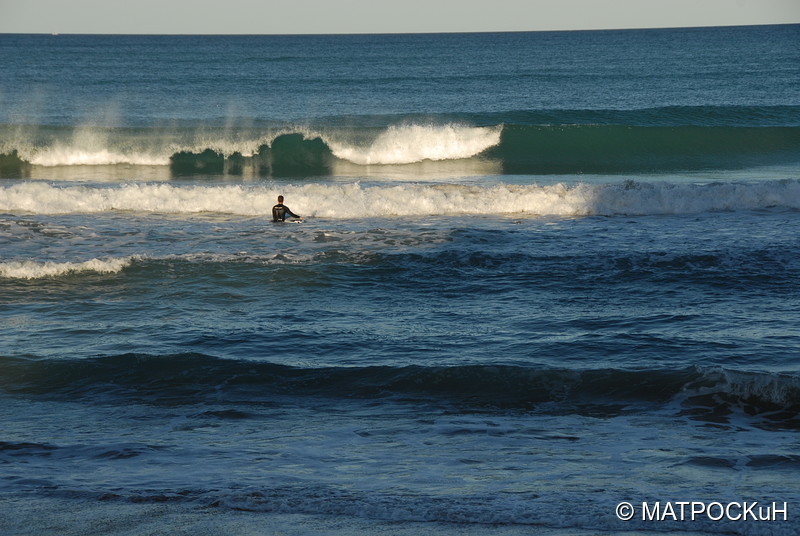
<point x="75" y="156"/>
<point x="407" y="144"/>
<point x="354" y="200"/>
<point x="38" y="269"/>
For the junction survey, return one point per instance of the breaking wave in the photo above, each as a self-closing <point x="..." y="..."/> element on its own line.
<point x="408" y="144"/>
<point x="526" y="142"/>
<point x="287" y="151"/>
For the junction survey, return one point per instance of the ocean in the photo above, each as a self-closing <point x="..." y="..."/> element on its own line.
<point x="545" y="283"/>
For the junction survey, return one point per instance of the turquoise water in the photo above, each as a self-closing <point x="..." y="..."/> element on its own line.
<point x="539" y="275"/>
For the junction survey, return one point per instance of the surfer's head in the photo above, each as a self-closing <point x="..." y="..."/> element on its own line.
<point x="280" y="199"/>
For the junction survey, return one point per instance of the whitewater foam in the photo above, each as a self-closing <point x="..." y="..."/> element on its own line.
<point x="780" y="389"/>
<point x="407" y="144"/>
<point x="39" y="270"/>
<point x="354" y="200"/>
<point x="83" y="146"/>
<point x="71" y="156"/>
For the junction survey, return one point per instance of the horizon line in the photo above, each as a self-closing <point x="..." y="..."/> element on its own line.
<point x="445" y="32"/>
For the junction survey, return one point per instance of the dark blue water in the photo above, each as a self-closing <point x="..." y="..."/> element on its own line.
<point x="539" y="275"/>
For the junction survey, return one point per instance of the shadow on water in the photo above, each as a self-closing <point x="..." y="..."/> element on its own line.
<point x="12" y="166"/>
<point x="290" y="155"/>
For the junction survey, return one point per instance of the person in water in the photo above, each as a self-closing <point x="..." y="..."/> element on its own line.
<point x="280" y="211"/>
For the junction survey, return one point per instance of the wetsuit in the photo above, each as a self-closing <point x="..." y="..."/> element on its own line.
<point x="280" y="211"/>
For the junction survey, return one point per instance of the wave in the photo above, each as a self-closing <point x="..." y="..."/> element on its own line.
<point x="190" y="378"/>
<point x="563" y="149"/>
<point x="354" y="200"/>
<point x="43" y="269"/>
<point x="526" y="142"/>
<point x="288" y="151"/>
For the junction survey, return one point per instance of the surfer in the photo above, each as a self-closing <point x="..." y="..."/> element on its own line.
<point x="280" y="211"/>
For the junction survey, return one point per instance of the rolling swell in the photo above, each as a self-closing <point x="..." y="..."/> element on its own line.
<point x="562" y="149"/>
<point x="664" y="116"/>
<point x="194" y="378"/>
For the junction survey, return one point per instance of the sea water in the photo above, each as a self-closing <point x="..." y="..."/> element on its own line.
<point x="541" y="278"/>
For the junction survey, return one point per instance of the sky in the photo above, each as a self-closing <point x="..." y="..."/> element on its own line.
<point x="379" y="16"/>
